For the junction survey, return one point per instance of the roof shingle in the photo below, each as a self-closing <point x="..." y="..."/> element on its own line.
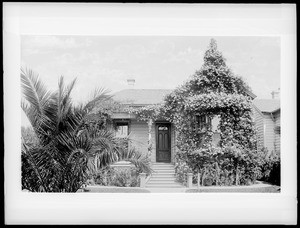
<point x="141" y="96"/>
<point x="267" y="105"/>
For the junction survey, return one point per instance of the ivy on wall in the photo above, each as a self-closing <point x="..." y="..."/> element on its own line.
<point x="212" y="91"/>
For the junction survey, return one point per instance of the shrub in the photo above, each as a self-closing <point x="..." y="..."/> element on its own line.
<point x="121" y="177"/>
<point x="181" y="170"/>
<point x="220" y="166"/>
<point x="271" y="168"/>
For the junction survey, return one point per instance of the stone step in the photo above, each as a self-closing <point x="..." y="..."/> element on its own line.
<point x="162" y="163"/>
<point x="163" y="166"/>
<point x="161" y="182"/>
<point x="174" y="185"/>
<point x="163" y="170"/>
<point x="159" y="175"/>
<point x="163" y="176"/>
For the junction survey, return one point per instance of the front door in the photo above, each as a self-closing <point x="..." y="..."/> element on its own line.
<point x="163" y="142"/>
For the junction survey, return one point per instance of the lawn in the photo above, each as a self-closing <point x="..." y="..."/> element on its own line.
<point x="270" y="189"/>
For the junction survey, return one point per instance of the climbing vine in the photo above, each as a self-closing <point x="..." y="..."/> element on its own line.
<point x="213" y="91"/>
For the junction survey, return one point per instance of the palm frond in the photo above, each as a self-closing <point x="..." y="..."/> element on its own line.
<point x="99" y="95"/>
<point x="140" y="160"/>
<point x="34" y="165"/>
<point x="63" y="99"/>
<point x="34" y="90"/>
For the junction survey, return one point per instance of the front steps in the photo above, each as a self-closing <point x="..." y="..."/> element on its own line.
<point x="163" y="176"/>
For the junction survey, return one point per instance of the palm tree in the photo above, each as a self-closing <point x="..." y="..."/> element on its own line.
<point x="67" y="151"/>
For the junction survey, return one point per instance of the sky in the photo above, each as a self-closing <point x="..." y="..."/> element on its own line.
<point x="155" y="62"/>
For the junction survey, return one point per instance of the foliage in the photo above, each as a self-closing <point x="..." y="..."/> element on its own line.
<point x="181" y="169"/>
<point x="212" y="91"/>
<point x="271" y="168"/>
<point x="155" y="112"/>
<point x="100" y="115"/>
<point x="121" y="177"/>
<point x="28" y="136"/>
<point x="68" y="148"/>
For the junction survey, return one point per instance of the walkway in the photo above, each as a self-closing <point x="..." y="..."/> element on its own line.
<point x="112" y="189"/>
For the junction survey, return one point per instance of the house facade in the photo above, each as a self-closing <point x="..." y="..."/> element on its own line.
<point x="267" y="121"/>
<point x="159" y="137"/>
<point x="155" y="137"/>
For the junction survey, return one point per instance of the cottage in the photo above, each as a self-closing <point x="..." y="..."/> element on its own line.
<point x="154" y="137"/>
<point x="157" y="138"/>
<point x="267" y="121"/>
<point x="160" y="135"/>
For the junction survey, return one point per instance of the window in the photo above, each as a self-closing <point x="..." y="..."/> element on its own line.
<point x="122" y="129"/>
<point x="277" y="130"/>
<point x="160" y="128"/>
<point x="203" y="122"/>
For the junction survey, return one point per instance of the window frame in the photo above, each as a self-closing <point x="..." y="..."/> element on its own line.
<point x="203" y="122"/>
<point x="118" y="123"/>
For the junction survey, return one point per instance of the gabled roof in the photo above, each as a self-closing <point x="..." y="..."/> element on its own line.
<point x="251" y="94"/>
<point x="141" y="96"/>
<point x="267" y="105"/>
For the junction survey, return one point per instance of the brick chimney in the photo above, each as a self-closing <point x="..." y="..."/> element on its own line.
<point x="276" y="94"/>
<point x="131" y="83"/>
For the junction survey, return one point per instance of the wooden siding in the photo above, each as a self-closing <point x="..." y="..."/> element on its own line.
<point x="173" y="143"/>
<point x="259" y="126"/>
<point x="277" y="135"/>
<point x="269" y="132"/>
<point x="139" y="136"/>
<point x="265" y="124"/>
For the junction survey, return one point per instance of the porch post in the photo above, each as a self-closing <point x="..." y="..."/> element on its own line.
<point x="189" y="180"/>
<point x="150" y="122"/>
<point x="142" y="180"/>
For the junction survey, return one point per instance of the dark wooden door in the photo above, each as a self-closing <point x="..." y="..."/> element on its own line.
<point x="163" y="142"/>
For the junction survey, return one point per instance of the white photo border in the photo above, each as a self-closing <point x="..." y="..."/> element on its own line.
<point x="104" y="19"/>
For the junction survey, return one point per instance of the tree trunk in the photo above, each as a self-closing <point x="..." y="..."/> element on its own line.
<point x="198" y="179"/>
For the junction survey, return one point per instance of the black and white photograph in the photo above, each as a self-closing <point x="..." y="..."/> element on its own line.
<point x="152" y="115"/>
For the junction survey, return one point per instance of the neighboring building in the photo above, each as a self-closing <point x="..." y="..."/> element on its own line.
<point x="267" y="120"/>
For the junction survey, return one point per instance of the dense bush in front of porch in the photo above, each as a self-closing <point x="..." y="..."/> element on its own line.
<point x="116" y="176"/>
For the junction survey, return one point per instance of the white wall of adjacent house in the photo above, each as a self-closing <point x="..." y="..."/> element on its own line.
<point x="260" y="128"/>
<point x="277" y="135"/>
<point x="269" y="132"/>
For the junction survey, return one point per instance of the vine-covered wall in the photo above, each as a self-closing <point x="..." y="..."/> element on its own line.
<point x="212" y="91"/>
